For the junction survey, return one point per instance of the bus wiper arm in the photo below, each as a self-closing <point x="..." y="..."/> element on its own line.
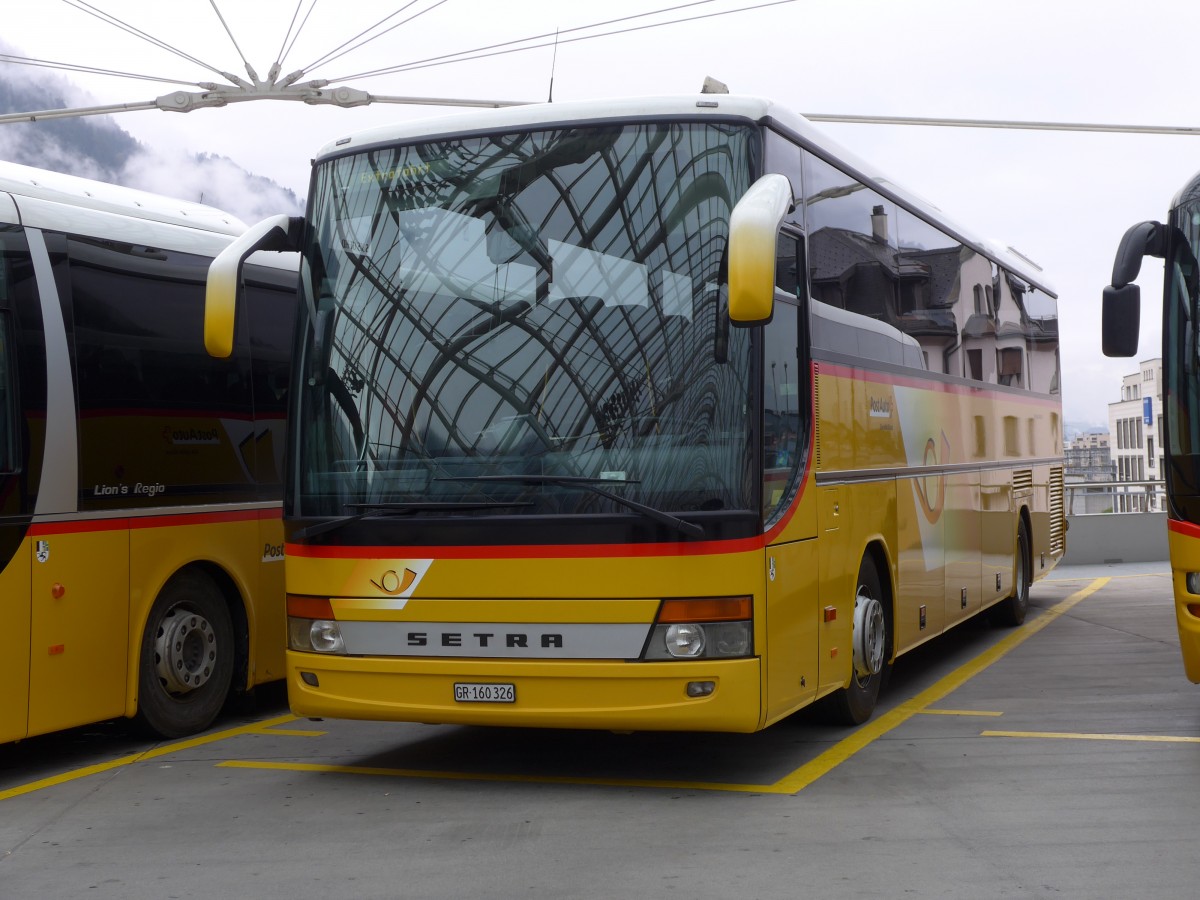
<point x="371" y="510"/>
<point x="593" y="485"/>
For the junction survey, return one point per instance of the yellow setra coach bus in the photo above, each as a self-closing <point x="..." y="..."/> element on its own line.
<point x="646" y="414"/>
<point x="1177" y="242"/>
<point x="141" y="557"/>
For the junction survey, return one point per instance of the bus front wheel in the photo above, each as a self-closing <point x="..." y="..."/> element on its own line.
<point x="853" y="704"/>
<point x="187" y="657"/>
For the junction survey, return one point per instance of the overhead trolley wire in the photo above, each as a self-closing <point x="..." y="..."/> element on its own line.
<point x="546" y="39"/>
<point x="289" y="38"/>
<point x="334" y="54"/>
<point x="232" y="39"/>
<point x="85" y="70"/>
<point x="96" y="12"/>
<point x="550" y="38"/>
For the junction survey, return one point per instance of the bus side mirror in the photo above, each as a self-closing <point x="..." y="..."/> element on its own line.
<point x="225" y="275"/>
<point x="1120" y="320"/>
<point x="753" y="230"/>
<point x="1121" y="312"/>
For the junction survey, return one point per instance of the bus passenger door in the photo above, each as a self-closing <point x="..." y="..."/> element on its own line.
<point x="79" y="639"/>
<point x="14" y="608"/>
<point x="792" y="620"/>
<point x="14" y="521"/>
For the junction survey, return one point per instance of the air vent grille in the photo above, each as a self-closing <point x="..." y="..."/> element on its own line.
<point x="1058" y="524"/>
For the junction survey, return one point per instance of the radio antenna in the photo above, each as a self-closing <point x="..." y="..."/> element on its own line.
<point x="553" y="63"/>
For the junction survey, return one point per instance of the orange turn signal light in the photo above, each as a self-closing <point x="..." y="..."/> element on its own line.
<point x="302" y="607"/>
<point x="705" y="609"/>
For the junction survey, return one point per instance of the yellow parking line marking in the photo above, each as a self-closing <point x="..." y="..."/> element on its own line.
<point x="878" y="727"/>
<point x="1068" y="736"/>
<point x="792" y="783"/>
<point x="152" y="753"/>
<point x="1066" y="579"/>
<point x="958" y="712"/>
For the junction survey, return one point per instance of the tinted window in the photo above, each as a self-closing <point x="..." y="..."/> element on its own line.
<point x="8" y="411"/>
<point x="854" y="268"/>
<point x="13" y="259"/>
<point x="944" y="299"/>
<point x="160" y="420"/>
<point x="785" y="158"/>
<point x="785" y="396"/>
<point x="1034" y="315"/>
<point x="270" y="302"/>
<point x="26" y="364"/>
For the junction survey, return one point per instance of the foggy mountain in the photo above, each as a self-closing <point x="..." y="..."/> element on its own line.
<point x="96" y="147"/>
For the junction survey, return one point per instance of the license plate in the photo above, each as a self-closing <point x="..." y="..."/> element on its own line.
<point x="475" y="692"/>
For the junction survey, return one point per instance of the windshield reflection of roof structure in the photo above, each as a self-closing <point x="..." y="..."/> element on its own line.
<point x="542" y="291"/>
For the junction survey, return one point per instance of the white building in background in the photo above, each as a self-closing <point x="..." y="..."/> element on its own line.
<point x="1088" y="473"/>
<point x="1135" y="429"/>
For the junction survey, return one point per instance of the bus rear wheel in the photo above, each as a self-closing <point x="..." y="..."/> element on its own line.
<point x="853" y="704"/>
<point x="1011" y="610"/>
<point x="187" y="657"/>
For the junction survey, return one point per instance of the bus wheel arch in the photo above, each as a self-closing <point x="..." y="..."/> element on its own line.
<point x="871" y="640"/>
<point x="192" y="647"/>
<point x="1012" y="609"/>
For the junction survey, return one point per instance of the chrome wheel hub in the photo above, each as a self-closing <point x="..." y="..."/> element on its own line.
<point x="869" y="636"/>
<point x="185" y="652"/>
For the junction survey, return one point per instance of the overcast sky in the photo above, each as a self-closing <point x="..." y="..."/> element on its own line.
<point x="1062" y="199"/>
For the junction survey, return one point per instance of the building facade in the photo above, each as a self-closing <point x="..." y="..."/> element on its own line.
<point x="1087" y="463"/>
<point x="1135" y="429"/>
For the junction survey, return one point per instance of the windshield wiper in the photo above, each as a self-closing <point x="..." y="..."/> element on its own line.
<point x="371" y="510"/>
<point x="593" y="485"/>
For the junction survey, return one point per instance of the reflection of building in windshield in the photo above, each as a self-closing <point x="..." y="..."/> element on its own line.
<point x="541" y="302"/>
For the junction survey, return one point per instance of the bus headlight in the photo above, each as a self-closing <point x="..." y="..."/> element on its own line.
<point x="707" y="628"/>
<point x="684" y="640"/>
<point x="312" y="627"/>
<point x="315" y="636"/>
<point x="326" y="637"/>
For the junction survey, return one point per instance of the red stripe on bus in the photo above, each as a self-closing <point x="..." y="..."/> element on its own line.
<point x="1187" y="529"/>
<point x="130" y="523"/>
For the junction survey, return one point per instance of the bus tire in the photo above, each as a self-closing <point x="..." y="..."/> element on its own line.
<point x="1011" y="610"/>
<point x="187" y="657"/>
<point x="853" y="704"/>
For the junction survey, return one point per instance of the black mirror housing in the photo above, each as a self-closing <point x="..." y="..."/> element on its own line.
<point x="1121" y="320"/>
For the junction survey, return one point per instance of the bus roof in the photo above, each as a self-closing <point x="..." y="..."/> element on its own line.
<point x="52" y="200"/>
<point x="55" y="187"/>
<point x="692" y="106"/>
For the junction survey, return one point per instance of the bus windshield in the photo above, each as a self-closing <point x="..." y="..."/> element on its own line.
<point x="1182" y="360"/>
<point x="527" y="324"/>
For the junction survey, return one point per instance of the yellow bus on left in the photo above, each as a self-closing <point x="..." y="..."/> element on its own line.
<point x="141" y="546"/>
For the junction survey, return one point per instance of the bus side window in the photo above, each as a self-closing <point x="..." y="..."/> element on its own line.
<point x="155" y="408"/>
<point x="851" y="243"/>
<point x="8" y="422"/>
<point x="271" y="311"/>
<point x="784" y="394"/>
<point x="12" y="246"/>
